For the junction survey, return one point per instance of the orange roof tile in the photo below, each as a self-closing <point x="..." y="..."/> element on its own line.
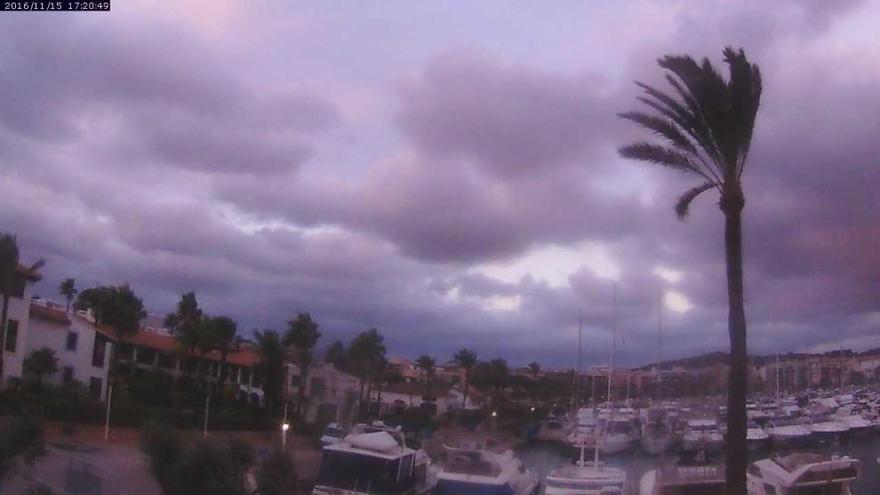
<point x="48" y="313"/>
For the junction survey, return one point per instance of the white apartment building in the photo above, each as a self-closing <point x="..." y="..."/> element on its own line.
<point x="331" y="395"/>
<point x="83" y="350"/>
<point x="14" y="343"/>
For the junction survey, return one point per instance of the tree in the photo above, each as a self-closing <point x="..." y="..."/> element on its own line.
<point x="40" y="363"/>
<point x="68" y="290"/>
<point x="535" y="370"/>
<point x="223" y="332"/>
<point x="186" y="323"/>
<point x="271" y="367"/>
<point x="11" y="274"/>
<point x="302" y="335"/>
<point x="335" y="355"/>
<point x="115" y="306"/>
<point x="466" y="359"/>
<point x="364" y="353"/>
<point x="428" y="365"/>
<point x="276" y="475"/>
<point x="707" y="127"/>
<point x="22" y="436"/>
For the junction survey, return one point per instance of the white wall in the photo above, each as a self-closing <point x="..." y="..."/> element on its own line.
<point x="52" y="334"/>
<point x="19" y="309"/>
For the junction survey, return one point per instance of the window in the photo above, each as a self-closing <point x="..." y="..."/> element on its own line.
<point x="98" y="351"/>
<point x="71" y="340"/>
<point x="18" y="284"/>
<point x="95" y="386"/>
<point x="11" y="335"/>
<point x="68" y="375"/>
<point x="294" y="380"/>
<point x="318" y="387"/>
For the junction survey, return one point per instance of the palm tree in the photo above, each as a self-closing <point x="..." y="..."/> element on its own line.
<point x="40" y="363"/>
<point x="302" y="335"/>
<point x="365" y="351"/>
<point x="10" y="274"/>
<point x="428" y="365"/>
<point x="271" y="350"/>
<point x="224" y="337"/>
<point x="465" y="359"/>
<point x="186" y="323"/>
<point x="68" y="290"/>
<point x="707" y="125"/>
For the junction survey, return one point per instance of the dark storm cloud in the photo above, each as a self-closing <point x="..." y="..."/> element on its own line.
<point x="142" y="151"/>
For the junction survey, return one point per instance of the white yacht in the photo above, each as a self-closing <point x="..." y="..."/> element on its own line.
<point x="803" y="473"/>
<point x="618" y="436"/>
<point x="858" y="425"/>
<point x="790" y="433"/>
<point x="684" y="478"/>
<point x="702" y="434"/>
<point x="827" y="430"/>
<point x="476" y="472"/>
<point x="756" y="437"/>
<point x="585" y="427"/>
<point x="587" y="478"/>
<point x="657" y="433"/>
<point x="373" y="459"/>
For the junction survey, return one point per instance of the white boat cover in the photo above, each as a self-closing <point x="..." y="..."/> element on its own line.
<point x="377" y="441"/>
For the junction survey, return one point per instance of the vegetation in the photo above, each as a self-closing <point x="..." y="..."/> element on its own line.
<point x="21" y="438"/>
<point x="40" y="363"/>
<point x="364" y="354"/>
<point x="222" y="332"/>
<point x="271" y="368"/>
<point x="115" y="306"/>
<point x="276" y="475"/>
<point x="428" y="365"/>
<point x="10" y="274"/>
<point x="465" y="359"/>
<point x="302" y="335"/>
<point x="707" y="127"/>
<point x="67" y="288"/>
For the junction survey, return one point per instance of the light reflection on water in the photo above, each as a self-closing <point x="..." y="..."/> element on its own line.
<point x="542" y="457"/>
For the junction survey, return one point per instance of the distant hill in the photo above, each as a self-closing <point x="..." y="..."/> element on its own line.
<point x="719" y="357"/>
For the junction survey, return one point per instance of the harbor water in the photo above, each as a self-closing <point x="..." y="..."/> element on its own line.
<point x="542" y="457"/>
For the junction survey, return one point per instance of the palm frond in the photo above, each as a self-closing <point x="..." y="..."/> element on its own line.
<point x="683" y="204"/>
<point x="662" y="127"/>
<point x="661" y="155"/>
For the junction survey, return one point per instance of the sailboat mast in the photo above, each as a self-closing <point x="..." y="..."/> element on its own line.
<point x="577" y="374"/>
<point x="613" y="343"/>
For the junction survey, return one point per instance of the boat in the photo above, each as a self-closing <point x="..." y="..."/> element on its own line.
<point x="618" y="436"/>
<point x="551" y="430"/>
<point x="789" y="433"/>
<point x="826" y="430"/>
<point x="657" y="434"/>
<point x="858" y="425"/>
<point x="373" y="459"/>
<point x="333" y="433"/>
<point x="587" y="478"/>
<point x="756" y="437"/>
<point x="702" y="435"/>
<point x="585" y="427"/>
<point x="803" y="473"/>
<point x="691" y="477"/>
<point x="471" y="471"/>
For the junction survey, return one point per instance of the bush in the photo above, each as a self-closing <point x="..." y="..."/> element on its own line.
<point x="22" y="436"/>
<point x="276" y="475"/>
<point x="162" y="445"/>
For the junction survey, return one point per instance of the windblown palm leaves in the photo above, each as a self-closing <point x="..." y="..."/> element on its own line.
<point x="706" y="124"/>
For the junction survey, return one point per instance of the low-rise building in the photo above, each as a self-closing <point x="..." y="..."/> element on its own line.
<point x="14" y="347"/>
<point x="82" y="349"/>
<point x="330" y="395"/>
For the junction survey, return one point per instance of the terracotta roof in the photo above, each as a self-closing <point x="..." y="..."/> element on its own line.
<point x="168" y="343"/>
<point x="35" y="276"/>
<point x="48" y="313"/>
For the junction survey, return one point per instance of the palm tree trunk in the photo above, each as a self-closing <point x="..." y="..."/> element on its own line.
<point x="301" y="390"/>
<point x="732" y="206"/>
<point x="467" y="384"/>
<point x="3" y="319"/>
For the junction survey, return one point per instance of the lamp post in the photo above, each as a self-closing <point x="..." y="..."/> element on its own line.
<point x="284" y="427"/>
<point x="107" y="421"/>
<point x="207" y="408"/>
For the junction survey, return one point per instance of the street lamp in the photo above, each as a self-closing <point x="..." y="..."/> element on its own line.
<point x="284" y="427"/>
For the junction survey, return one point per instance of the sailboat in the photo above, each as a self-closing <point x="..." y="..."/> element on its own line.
<point x="587" y="478"/>
<point x="657" y="433"/>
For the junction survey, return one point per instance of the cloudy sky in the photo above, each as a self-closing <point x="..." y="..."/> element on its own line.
<point x="444" y="171"/>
